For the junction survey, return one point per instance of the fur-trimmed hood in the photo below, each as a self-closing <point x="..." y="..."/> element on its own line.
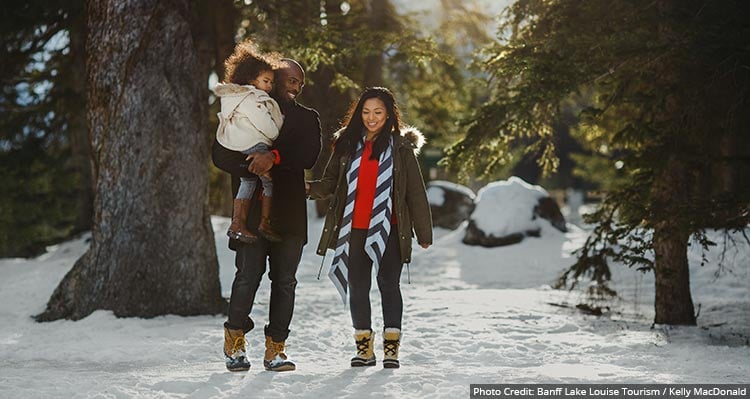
<point x="233" y="89"/>
<point x="413" y="137"/>
<point x="410" y="136"/>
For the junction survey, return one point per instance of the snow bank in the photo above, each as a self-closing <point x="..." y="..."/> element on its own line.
<point x="507" y="207"/>
<point x="435" y="196"/>
<point x="465" y="306"/>
<point x="446" y="185"/>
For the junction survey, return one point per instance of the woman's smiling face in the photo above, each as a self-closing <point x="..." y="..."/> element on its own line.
<point x="374" y="115"/>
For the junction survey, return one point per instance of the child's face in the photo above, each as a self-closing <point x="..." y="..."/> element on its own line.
<point x="264" y="81"/>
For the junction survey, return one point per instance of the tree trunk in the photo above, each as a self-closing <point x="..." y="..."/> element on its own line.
<point x="321" y="93"/>
<point x="80" y="146"/>
<point x="225" y="17"/>
<point x="673" y="303"/>
<point x="153" y="251"/>
<point x="377" y="21"/>
<point x="214" y="27"/>
<point x="328" y="100"/>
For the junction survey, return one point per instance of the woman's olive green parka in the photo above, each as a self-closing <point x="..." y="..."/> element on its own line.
<point x="409" y="195"/>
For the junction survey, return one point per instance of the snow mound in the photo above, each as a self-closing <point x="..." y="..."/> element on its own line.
<point x="450" y="203"/>
<point x="507" y="206"/>
<point x="437" y="187"/>
<point x="508" y="210"/>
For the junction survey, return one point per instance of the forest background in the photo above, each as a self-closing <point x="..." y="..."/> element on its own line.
<point x="645" y="103"/>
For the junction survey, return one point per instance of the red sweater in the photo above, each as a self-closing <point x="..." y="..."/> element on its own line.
<point x="365" y="197"/>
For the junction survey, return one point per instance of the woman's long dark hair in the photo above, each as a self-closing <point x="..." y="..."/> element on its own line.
<point x="353" y="127"/>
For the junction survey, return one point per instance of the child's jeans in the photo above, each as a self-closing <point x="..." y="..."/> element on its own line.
<point x="247" y="184"/>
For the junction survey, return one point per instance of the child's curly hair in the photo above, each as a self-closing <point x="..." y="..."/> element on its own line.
<point x="247" y="62"/>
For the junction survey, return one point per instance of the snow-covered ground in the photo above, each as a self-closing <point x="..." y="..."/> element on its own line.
<point x="472" y="315"/>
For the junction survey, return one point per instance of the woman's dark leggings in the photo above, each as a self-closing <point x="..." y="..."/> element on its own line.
<point x="389" y="274"/>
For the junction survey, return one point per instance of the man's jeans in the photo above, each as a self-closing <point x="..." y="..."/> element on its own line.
<point x="250" y="261"/>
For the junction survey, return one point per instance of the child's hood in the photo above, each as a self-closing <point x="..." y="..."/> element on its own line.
<point x="233" y="90"/>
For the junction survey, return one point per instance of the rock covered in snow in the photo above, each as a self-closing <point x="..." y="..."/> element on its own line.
<point x="509" y="210"/>
<point x="450" y="203"/>
<point x="548" y="209"/>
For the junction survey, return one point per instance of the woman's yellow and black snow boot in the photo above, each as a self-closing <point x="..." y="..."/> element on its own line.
<point x="391" y="342"/>
<point x="365" y="348"/>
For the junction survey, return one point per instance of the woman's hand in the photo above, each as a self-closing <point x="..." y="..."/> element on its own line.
<point x="425" y="246"/>
<point x="307" y="188"/>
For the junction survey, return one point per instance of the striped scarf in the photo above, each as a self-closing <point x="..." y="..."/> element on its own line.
<point x="380" y="221"/>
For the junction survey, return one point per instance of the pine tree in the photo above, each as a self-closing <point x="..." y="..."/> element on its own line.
<point x="45" y="169"/>
<point x="152" y="251"/>
<point x="437" y="91"/>
<point x="45" y="160"/>
<point x="670" y="81"/>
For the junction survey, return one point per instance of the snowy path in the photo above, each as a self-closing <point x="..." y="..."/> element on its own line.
<point x="457" y="331"/>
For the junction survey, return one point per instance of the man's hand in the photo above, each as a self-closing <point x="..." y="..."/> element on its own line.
<point x="261" y="162"/>
<point x="425" y="246"/>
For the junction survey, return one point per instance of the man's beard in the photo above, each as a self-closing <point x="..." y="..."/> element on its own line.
<point x="282" y="98"/>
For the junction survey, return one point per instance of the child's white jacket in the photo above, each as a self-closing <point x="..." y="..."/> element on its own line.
<point x="248" y="116"/>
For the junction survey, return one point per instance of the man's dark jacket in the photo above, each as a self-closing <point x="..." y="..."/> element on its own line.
<point x="298" y="146"/>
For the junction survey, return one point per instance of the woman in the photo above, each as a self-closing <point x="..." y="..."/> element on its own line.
<point x="378" y="198"/>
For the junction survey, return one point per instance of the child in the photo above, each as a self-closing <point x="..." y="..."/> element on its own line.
<point x="249" y="121"/>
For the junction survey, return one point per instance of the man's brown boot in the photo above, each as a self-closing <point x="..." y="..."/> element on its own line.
<point x="264" y="228"/>
<point x="238" y="230"/>
<point x="275" y="359"/>
<point x="234" y="350"/>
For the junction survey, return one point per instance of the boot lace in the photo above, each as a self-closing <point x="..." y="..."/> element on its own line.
<point x="390" y="347"/>
<point x="278" y="349"/>
<point x="239" y="345"/>
<point x="362" y="346"/>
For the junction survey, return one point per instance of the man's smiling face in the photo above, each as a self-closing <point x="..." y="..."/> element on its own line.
<point x="289" y="82"/>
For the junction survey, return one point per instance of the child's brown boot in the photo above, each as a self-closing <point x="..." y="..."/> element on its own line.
<point x="238" y="230"/>
<point x="264" y="228"/>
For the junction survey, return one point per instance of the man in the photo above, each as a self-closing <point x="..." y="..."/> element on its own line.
<point x="295" y="150"/>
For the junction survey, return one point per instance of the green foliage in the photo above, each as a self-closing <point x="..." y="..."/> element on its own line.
<point x="38" y="171"/>
<point x="40" y="206"/>
<point x="344" y="46"/>
<point x="336" y="46"/>
<point x="340" y="50"/>
<point x="660" y="86"/>
<point x="439" y="89"/>
<point x="347" y="46"/>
